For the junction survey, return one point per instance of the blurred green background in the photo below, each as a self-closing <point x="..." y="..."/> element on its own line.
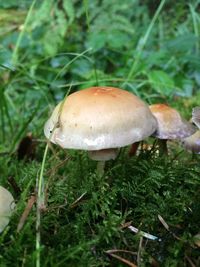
<point x="49" y="46"/>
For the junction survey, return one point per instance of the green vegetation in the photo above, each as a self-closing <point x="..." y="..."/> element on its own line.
<point x="150" y="48"/>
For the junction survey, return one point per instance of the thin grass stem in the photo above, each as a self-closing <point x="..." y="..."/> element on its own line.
<point x="86" y="13"/>
<point x="195" y="25"/>
<point x="69" y="63"/>
<point x="143" y="41"/>
<point x="19" y="40"/>
<point x="40" y="204"/>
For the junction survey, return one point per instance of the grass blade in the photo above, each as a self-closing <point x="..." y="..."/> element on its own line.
<point x="19" y="40"/>
<point x="40" y="201"/>
<point x="142" y="42"/>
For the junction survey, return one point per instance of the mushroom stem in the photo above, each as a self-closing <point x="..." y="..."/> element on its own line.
<point x="163" y="150"/>
<point x="100" y="167"/>
<point x="103" y="154"/>
<point x="133" y="149"/>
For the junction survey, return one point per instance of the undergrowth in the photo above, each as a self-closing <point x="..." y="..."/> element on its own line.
<point x="78" y="232"/>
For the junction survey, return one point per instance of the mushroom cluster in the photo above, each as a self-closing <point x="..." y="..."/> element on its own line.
<point x="100" y="120"/>
<point x="6" y="207"/>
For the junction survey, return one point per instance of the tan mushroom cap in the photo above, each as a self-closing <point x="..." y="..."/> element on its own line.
<point x="6" y="207"/>
<point x="100" y="118"/>
<point x="170" y="123"/>
<point x="192" y="142"/>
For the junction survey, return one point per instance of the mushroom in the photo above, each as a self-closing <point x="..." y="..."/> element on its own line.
<point x="192" y="142"/>
<point x="100" y="120"/>
<point x="6" y="207"/>
<point x="170" y="125"/>
<point x="196" y="116"/>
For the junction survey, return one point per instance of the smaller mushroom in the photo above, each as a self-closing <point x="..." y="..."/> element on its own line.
<point x="192" y="142"/>
<point x="7" y="205"/>
<point x="170" y="125"/>
<point x="196" y="116"/>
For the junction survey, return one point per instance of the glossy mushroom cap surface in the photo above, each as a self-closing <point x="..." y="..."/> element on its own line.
<point x="192" y="142"/>
<point x="170" y="123"/>
<point x="100" y="118"/>
<point x="6" y="207"/>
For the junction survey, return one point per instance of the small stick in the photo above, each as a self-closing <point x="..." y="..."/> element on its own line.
<point x="167" y="227"/>
<point x="75" y="203"/>
<point x="144" y="234"/>
<point x="127" y="262"/>
<point x="190" y="261"/>
<point x="26" y="212"/>
<point x="111" y="251"/>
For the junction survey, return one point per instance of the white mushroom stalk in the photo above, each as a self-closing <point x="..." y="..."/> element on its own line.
<point x="6" y="207"/>
<point x="102" y="156"/>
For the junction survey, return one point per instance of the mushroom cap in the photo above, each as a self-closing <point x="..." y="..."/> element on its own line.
<point x="170" y="123"/>
<point x="100" y="118"/>
<point x="6" y="207"/>
<point x="196" y="116"/>
<point x="192" y="142"/>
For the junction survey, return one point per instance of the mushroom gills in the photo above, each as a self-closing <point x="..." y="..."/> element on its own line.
<point x="103" y="154"/>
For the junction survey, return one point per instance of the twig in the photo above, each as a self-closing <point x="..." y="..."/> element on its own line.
<point x="57" y="166"/>
<point x="111" y="251"/>
<point x="160" y="218"/>
<point x="144" y="234"/>
<point x="190" y="261"/>
<point x="74" y="204"/>
<point x="127" y="262"/>
<point x="125" y="225"/>
<point x="167" y="227"/>
<point x="26" y="212"/>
